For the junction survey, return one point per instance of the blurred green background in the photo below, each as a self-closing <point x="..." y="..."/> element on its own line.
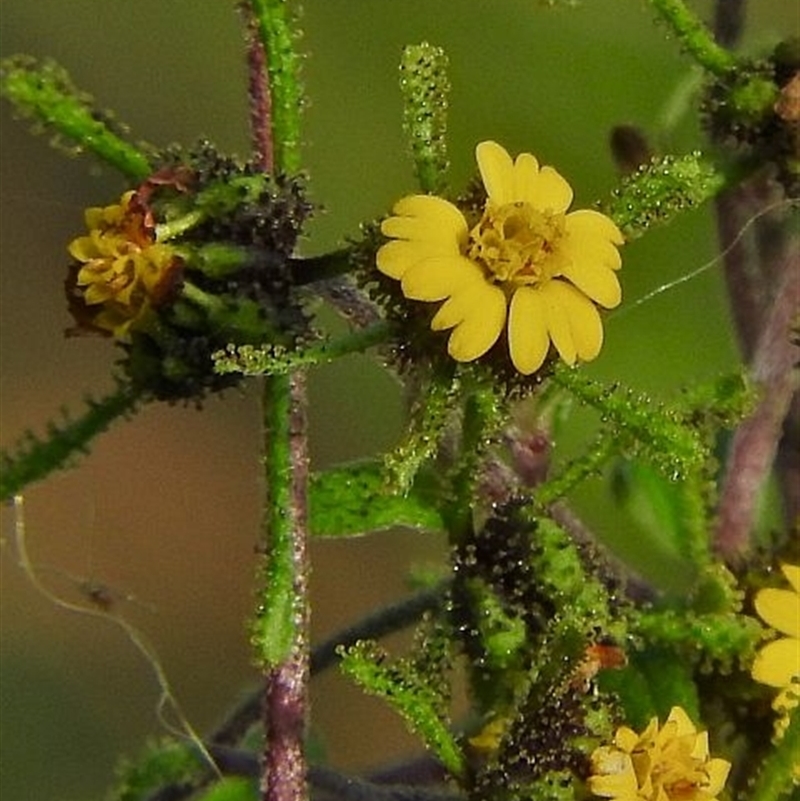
<point x="166" y="509"/>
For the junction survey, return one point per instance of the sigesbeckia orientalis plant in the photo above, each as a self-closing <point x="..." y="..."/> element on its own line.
<point x="582" y="677"/>
<point x="525" y="261"/>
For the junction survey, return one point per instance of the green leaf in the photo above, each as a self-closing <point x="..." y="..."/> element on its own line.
<point x="657" y="526"/>
<point x="162" y="762"/>
<point x="354" y="500"/>
<point x="409" y="694"/>
<point x="232" y="788"/>
<point x="775" y="777"/>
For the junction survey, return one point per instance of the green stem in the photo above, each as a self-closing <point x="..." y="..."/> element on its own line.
<point x="272" y="360"/>
<point x="280" y="631"/>
<point x="36" y="459"/>
<point x="590" y="463"/>
<point x="210" y="303"/>
<point x="45" y="93"/>
<point x="274" y="627"/>
<point x="283" y="65"/>
<point x="695" y="36"/>
<point x="425" y="88"/>
<point x="286" y="693"/>
<point x="174" y="228"/>
<point x="481" y="416"/>
<point x="429" y="419"/>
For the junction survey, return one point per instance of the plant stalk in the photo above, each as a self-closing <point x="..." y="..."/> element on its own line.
<point x="755" y="443"/>
<point x="281" y="635"/>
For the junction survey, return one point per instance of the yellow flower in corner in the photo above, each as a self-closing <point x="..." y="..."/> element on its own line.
<point x="667" y="763"/>
<point x="121" y="269"/>
<point x="778" y="662"/>
<point x="527" y="266"/>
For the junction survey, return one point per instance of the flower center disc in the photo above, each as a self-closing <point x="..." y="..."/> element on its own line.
<point x="517" y="243"/>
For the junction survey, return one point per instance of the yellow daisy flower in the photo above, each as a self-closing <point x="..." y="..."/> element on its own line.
<point x="778" y="662"/>
<point x="667" y="763"/>
<point x="527" y="265"/>
<point x="121" y="269"/>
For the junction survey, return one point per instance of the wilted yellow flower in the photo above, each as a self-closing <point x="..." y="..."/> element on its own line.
<point x="121" y="269"/>
<point x="667" y="763"/>
<point x="778" y="662"/>
<point x="527" y="266"/>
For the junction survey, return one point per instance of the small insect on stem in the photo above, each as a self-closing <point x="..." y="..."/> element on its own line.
<point x="596" y="657"/>
<point x="99" y="595"/>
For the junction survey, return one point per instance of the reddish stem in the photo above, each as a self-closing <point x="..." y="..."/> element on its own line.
<point x="260" y="102"/>
<point x="755" y="442"/>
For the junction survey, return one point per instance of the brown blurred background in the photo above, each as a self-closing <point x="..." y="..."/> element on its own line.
<point x="165" y="511"/>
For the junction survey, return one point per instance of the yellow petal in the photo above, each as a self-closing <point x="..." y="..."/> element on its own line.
<point x="700" y="746"/>
<point x="627" y="739"/>
<point x="558" y="325"/>
<point x="395" y="258"/>
<point x="93" y="217"/>
<point x="526" y="174"/>
<point x="573" y="322"/>
<point x="528" y="340"/>
<point x="424" y="205"/>
<point x="91" y="272"/>
<point x="781" y="609"/>
<point x="620" y="786"/>
<point x="594" y="280"/>
<point x="586" y="246"/>
<point x="467" y="301"/>
<point x="718" y="770"/>
<point x="497" y="172"/>
<point x="83" y="249"/>
<point x="550" y="192"/>
<point x="123" y="296"/>
<point x="427" y="218"/>
<point x="683" y="723"/>
<point x="589" y="223"/>
<point x="438" y="277"/>
<point x="97" y="293"/>
<point x="792" y="573"/>
<point x="614" y="776"/>
<point x="778" y="662"/>
<point x="480" y="329"/>
<point x="586" y="326"/>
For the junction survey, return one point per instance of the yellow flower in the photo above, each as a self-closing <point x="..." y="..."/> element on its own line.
<point x="778" y="662"/>
<point x="526" y="266"/>
<point x="670" y="763"/>
<point x="122" y="270"/>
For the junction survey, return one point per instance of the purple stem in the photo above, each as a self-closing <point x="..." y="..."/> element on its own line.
<point x="258" y="93"/>
<point x="747" y="288"/>
<point x="758" y="271"/>
<point x="756" y="441"/>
